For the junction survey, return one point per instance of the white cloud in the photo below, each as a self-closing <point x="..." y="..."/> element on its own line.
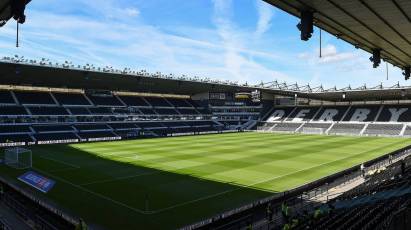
<point x="329" y="54"/>
<point x="265" y="15"/>
<point x="132" y="12"/>
<point x="237" y="66"/>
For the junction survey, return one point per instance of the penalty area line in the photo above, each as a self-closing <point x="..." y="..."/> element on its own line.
<point x="119" y="178"/>
<point x="59" y="161"/>
<point x="94" y="193"/>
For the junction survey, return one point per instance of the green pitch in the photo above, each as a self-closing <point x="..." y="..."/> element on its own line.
<point x="171" y="182"/>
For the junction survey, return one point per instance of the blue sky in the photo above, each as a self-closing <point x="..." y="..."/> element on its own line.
<point x="238" y="40"/>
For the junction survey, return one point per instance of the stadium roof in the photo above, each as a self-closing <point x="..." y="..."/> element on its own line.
<point x="6" y="11"/>
<point x="43" y="75"/>
<point x="367" y="24"/>
<point x="12" y="72"/>
<point x="374" y="94"/>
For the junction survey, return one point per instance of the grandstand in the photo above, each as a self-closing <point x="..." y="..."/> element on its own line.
<point x="371" y="120"/>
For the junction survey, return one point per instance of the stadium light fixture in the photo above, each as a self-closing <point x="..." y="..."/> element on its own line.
<point x="376" y="57"/>
<point x="295" y="99"/>
<point x="344" y="95"/>
<point x="306" y="25"/>
<point x="406" y="72"/>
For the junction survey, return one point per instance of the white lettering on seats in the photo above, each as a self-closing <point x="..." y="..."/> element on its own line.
<point x="328" y="115"/>
<point x="301" y="115"/>
<point x="277" y="115"/>
<point x="396" y="113"/>
<point x="360" y="115"/>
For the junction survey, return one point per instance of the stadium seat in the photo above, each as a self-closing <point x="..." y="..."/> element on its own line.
<point x="72" y="99"/>
<point x="101" y="111"/>
<point x="105" y="100"/>
<point x="96" y="134"/>
<point x="91" y="127"/>
<point x="166" y="111"/>
<point x="188" y="111"/>
<point x="147" y="111"/>
<point x="123" y="126"/>
<point x="330" y="114"/>
<point x="134" y="101"/>
<point x="55" y="136"/>
<point x="79" y="111"/>
<point x="179" y="102"/>
<point x="13" y="129"/>
<point x="10" y="138"/>
<point x="362" y="113"/>
<point x="398" y="113"/>
<point x="52" y="128"/>
<point x="6" y="98"/>
<point x="48" y="111"/>
<point x="383" y="129"/>
<point x="158" y="102"/>
<point x="302" y="114"/>
<point x="280" y="114"/>
<point x="34" y="98"/>
<point x="12" y="111"/>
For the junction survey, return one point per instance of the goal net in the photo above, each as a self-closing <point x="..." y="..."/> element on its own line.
<point x="19" y="158"/>
<point x="313" y="130"/>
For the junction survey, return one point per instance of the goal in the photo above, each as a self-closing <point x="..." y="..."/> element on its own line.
<point x="19" y="158"/>
<point x="310" y="130"/>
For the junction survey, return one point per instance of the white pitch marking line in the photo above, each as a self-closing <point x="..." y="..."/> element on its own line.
<point x="62" y="170"/>
<point x="94" y="193"/>
<point x="59" y="161"/>
<point x="119" y="178"/>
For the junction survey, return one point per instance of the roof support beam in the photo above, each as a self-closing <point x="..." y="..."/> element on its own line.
<point x="401" y="10"/>
<point x="4" y="7"/>
<point x="384" y="21"/>
<point x="367" y="27"/>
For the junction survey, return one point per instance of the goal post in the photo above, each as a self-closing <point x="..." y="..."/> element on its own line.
<point x="19" y="158"/>
<point x="312" y="130"/>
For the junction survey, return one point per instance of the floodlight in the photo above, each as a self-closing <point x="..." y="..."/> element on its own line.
<point x="306" y="25"/>
<point x="376" y="57"/>
<point x="406" y="72"/>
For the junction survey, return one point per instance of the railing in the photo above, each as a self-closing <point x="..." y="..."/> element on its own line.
<point x="341" y="132"/>
<point x="4" y="225"/>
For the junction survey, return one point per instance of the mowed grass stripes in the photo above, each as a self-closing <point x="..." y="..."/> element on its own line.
<point x="170" y="182"/>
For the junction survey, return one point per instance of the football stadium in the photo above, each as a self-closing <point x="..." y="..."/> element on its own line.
<point x="84" y="147"/>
